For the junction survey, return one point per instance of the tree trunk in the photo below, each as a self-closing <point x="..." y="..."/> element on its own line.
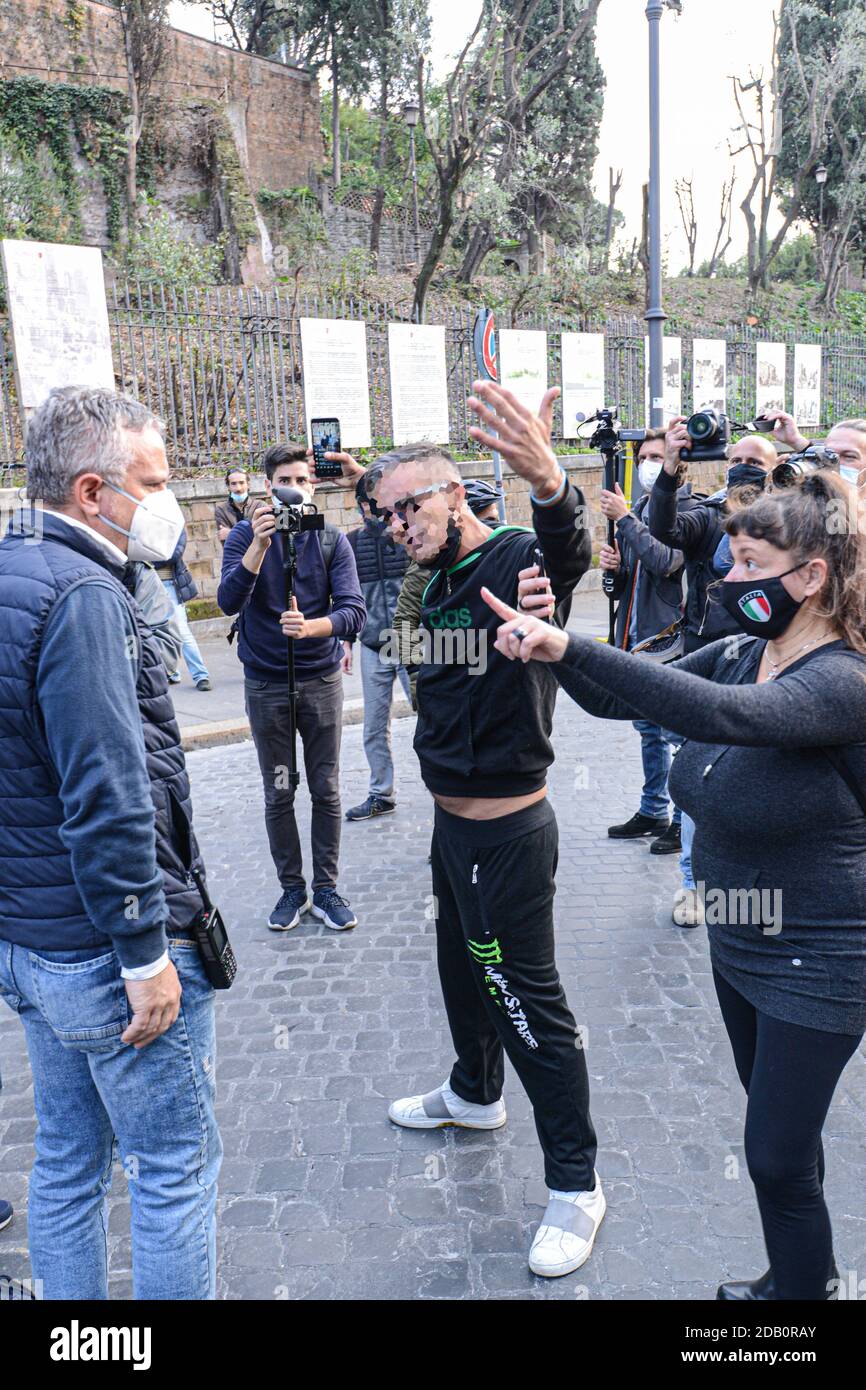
<point x="134" y="132"/>
<point x="381" y="161"/>
<point x="335" y="110"/>
<point x="481" y="243"/>
<point x="448" y="185"/>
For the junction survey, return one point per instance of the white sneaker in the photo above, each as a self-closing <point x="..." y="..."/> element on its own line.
<point x="443" y="1107"/>
<point x="688" y="908"/>
<point x="564" y="1240"/>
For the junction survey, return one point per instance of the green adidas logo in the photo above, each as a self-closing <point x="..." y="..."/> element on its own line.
<point x="488" y="954"/>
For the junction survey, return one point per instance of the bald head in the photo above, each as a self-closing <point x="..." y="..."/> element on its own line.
<point x="756" y="449"/>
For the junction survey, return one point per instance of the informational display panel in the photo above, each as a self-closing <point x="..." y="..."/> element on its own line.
<point x="523" y="364"/>
<point x="419" y="383"/>
<point x="807" y="385"/>
<point x="710" y="376"/>
<point x="59" y="318"/>
<point x="771" y="361"/>
<point x="672" y="379"/>
<point x="582" y="379"/>
<point x="334" y="353"/>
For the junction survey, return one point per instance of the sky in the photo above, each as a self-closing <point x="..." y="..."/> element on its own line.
<point x="712" y="40"/>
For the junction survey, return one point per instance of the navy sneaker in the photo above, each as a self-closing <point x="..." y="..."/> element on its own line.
<point x="333" y="910"/>
<point x="373" y="806"/>
<point x="287" y="913"/>
<point x="6" y="1214"/>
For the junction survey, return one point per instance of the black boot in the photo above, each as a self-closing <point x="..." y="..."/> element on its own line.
<point x="760" y="1289"/>
<point x="743" y="1292"/>
<point x="638" y="825"/>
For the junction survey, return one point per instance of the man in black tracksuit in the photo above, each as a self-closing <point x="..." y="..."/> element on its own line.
<point x="483" y="741"/>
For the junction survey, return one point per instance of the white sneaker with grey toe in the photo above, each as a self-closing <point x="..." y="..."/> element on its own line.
<point x="443" y="1107"/>
<point x="564" y="1240"/>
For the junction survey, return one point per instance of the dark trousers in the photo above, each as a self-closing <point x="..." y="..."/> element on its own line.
<point x="493" y="886"/>
<point x="320" y="727"/>
<point x="790" y="1073"/>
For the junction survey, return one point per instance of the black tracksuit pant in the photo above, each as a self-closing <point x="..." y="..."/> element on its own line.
<point x="493" y="883"/>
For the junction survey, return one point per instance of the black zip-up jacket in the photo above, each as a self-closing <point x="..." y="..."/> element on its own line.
<point x="696" y="532"/>
<point x="484" y="722"/>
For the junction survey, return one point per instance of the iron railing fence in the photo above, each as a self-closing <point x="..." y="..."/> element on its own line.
<point x="223" y="366"/>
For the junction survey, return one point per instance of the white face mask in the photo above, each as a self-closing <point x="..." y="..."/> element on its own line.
<point x="157" y="523"/>
<point x="648" y="472"/>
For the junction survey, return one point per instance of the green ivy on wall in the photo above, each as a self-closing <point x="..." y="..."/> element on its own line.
<point x="40" y="125"/>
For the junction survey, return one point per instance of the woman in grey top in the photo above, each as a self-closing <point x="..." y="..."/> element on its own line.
<point x="770" y="772"/>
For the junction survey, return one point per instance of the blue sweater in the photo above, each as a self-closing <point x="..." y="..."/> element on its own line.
<point x="321" y="592"/>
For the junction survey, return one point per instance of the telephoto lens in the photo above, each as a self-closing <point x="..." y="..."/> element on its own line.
<point x="792" y="470"/>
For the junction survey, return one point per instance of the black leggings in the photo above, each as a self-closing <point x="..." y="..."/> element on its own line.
<point x="789" y="1073"/>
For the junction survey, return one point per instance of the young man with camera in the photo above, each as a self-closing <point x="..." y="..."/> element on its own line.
<point x="327" y="608"/>
<point x="483" y="742"/>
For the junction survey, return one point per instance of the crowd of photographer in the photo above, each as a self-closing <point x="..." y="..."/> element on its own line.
<point x="110" y="947"/>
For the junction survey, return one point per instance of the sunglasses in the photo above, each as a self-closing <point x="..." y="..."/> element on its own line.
<point x="401" y="509"/>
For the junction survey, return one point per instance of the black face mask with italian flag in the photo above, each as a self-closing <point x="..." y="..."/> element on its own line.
<point x="762" y="607"/>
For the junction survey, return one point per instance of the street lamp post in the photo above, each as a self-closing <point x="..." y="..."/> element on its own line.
<point x="821" y="178"/>
<point x="655" y="314"/>
<point x="411" y="112"/>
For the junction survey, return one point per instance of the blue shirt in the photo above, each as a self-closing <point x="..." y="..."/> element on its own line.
<point x="333" y="592"/>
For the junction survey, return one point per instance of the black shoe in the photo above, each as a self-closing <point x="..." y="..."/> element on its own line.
<point x="637" y="826"/>
<point x="6" y="1214"/>
<point x="761" y="1290"/>
<point x="203" y="684"/>
<point x="741" y="1291"/>
<point x="669" y="842"/>
<point x="373" y="806"/>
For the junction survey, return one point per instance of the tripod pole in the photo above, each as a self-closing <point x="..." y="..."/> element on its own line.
<point x="289" y="567"/>
<point x="611" y="476"/>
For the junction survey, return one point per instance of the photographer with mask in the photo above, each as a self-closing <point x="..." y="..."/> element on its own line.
<point x="483" y="742"/>
<point x="649" y="589"/>
<point x="772" y="773"/>
<point x="328" y="607"/>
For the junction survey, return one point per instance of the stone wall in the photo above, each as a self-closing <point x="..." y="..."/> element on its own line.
<point x="272" y="109"/>
<point x="348" y="229"/>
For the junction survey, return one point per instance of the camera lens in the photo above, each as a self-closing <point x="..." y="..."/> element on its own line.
<point x="703" y="425"/>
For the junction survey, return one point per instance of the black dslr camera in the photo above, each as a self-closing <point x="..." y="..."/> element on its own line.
<point x="293" y="514"/>
<point x="792" y="470"/>
<point x="710" y="432"/>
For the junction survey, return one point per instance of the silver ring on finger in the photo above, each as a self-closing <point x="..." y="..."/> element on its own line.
<point x="519" y="634"/>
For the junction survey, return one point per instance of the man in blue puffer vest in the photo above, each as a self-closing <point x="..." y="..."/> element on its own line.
<point x="95" y="895"/>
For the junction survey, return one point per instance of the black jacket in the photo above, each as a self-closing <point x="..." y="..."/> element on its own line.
<point x="696" y="532"/>
<point x="484" y="722"/>
<point x="381" y="569"/>
<point x="659" y="579"/>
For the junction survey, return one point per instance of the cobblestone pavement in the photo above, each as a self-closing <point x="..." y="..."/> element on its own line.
<point x="322" y="1198"/>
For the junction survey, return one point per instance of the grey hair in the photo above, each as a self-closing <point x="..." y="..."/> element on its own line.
<point x="81" y="429"/>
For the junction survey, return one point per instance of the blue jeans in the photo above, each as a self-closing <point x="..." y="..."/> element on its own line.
<point x="656" y="756"/>
<point x="687" y="826"/>
<point x="90" y="1089"/>
<point x="377" y="679"/>
<point x="191" y="653"/>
